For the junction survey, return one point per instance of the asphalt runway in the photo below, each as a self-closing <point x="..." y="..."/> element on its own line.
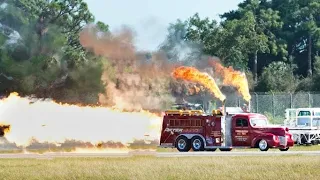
<point x="156" y="154"/>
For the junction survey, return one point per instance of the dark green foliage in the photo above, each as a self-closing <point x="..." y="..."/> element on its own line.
<point x="45" y="57"/>
<point x="278" y="77"/>
<point x="277" y="40"/>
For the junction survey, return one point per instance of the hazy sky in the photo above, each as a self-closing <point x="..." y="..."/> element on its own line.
<point x="150" y="18"/>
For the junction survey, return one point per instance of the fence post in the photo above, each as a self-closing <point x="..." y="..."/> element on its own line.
<point x="256" y="102"/>
<point x="309" y="99"/>
<point x="291" y="101"/>
<point x="273" y="112"/>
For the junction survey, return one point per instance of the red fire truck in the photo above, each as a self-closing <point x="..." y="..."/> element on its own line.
<point x="192" y="129"/>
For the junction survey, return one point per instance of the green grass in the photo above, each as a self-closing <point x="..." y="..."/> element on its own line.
<point x="146" y="167"/>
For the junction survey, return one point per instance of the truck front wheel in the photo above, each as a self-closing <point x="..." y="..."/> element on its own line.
<point x="263" y="145"/>
<point x="183" y="144"/>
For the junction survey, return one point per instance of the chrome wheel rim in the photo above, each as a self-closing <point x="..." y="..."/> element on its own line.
<point x="196" y="144"/>
<point x="182" y="144"/>
<point x="263" y="144"/>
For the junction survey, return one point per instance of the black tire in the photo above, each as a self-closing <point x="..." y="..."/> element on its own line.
<point x="225" y="149"/>
<point x="315" y="142"/>
<point x="285" y="149"/>
<point x="263" y="145"/>
<point x="197" y="144"/>
<point x="183" y="144"/>
<point x="212" y="150"/>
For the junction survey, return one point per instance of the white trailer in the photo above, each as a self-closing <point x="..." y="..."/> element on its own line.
<point x="304" y="124"/>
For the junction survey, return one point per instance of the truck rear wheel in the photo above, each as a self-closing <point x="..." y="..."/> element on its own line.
<point x="197" y="144"/>
<point x="263" y="145"/>
<point x="212" y="149"/>
<point x="225" y="149"/>
<point x="183" y="144"/>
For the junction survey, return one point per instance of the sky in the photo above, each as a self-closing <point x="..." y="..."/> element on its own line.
<point x="150" y="19"/>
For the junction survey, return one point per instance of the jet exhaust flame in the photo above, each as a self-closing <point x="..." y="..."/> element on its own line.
<point x="4" y="129"/>
<point x="233" y="78"/>
<point x="50" y="122"/>
<point x="192" y="74"/>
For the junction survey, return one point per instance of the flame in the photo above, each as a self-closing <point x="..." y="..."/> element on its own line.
<point x="193" y="90"/>
<point x="192" y="74"/>
<point x="233" y="78"/>
<point x="51" y="122"/>
<point x="110" y="150"/>
<point x="4" y="129"/>
<point x="100" y="150"/>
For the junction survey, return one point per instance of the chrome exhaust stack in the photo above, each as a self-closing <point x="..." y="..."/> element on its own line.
<point x="223" y="124"/>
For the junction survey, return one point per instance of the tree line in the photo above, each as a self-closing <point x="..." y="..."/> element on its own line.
<point x="41" y="54"/>
<point x="275" y="42"/>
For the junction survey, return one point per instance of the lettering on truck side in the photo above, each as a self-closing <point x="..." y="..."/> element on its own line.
<point x="173" y="130"/>
<point x="241" y="138"/>
<point x="241" y="135"/>
<point x="179" y="130"/>
<point x="191" y="131"/>
<point x="241" y="132"/>
<point x="215" y="133"/>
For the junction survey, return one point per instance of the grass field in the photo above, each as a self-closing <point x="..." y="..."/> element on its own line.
<point x="145" y="167"/>
<point x="150" y="167"/>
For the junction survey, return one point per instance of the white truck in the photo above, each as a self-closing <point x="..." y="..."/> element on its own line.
<point x="304" y="125"/>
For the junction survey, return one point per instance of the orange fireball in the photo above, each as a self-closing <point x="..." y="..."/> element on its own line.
<point x="192" y="74"/>
<point x="233" y="78"/>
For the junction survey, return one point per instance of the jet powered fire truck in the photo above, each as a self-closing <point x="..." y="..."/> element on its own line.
<point x="193" y="129"/>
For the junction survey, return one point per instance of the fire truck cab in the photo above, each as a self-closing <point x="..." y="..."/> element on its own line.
<point x="193" y="129"/>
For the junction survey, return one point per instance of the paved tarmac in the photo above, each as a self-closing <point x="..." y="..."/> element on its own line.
<point x="156" y="154"/>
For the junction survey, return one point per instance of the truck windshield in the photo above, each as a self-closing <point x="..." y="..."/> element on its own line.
<point x="316" y="122"/>
<point x="258" y="122"/>
<point x="304" y="113"/>
<point x="303" y="121"/>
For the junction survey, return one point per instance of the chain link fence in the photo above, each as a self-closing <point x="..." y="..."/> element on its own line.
<point x="275" y="104"/>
